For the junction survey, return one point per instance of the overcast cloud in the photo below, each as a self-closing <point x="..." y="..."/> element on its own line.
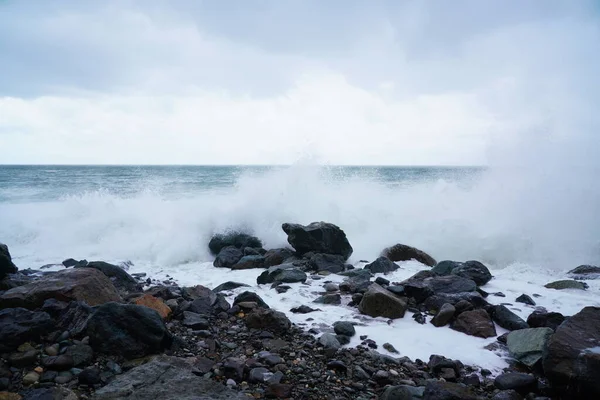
<point x="268" y="82"/>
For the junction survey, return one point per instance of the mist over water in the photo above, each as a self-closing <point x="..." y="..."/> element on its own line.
<point x="543" y="212"/>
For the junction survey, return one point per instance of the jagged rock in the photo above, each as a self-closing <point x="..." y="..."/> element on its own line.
<point x="285" y="273"/>
<point x="6" y="264"/>
<point x="318" y="237"/>
<point x="475" y="271"/>
<point x="542" y="319"/>
<point x="425" y="284"/>
<point x="269" y="320"/>
<point x="238" y="240"/>
<point x="165" y="378"/>
<point x="571" y="360"/>
<point x="18" y="325"/>
<point x="356" y="284"/>
<point x="401" y="252"/>
<point x="83" y="284"/>
<point x="444" y="315"/>
<point x="75" y="318"/>
<point x="229" y="286"/>
<point x="382" y="265"/>
<point x="475" y="323"/>
<point x="508" y="319"/>
<point x="119" y="277"/>
<point x="527" y="345"/>
<point x="522" y="383"/>
<point x="128" y="330"/>
<point x="228" y="257"/>
<point x="525" y="299"/>
<point x="379" y="302"/>
<point x="566" y="284"/>
<point x="328" y="262"/>
<point x="250" y="262"/>
<point x="585" y="272"/>
<point x="438" y="390"/>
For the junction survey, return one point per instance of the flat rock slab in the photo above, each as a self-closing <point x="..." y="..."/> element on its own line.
<point x="167" y="378"/>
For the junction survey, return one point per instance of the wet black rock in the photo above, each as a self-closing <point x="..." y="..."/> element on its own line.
<point x="508" y="319"/>
<point x="238" y="240"/>
<point x="250" y="297"/>
<point x="229" y="286"/>
<point x="331" y="299"/>
<point x="228" y="257"/>
<point x="328" y="263"/>
<point x="445" y="267"/>
<point x="444" y="315"/>
<point x="401" y="252"/>
<point x="285" y="273"/>
<point x="473" y="270"/>
<point x="356" y="284"/>
<point x="439" y="390"/>
<point x="195" y="321"/>
<point x="585" y="272"/>
<point x="571" y="360"/>
<point x="525" y="299"/>
<point x="18" y="325"/>
<point x="303" y="310"/>
<point x="82" y="354"/>
<point x="277" y="257"/>
<point x="382" y="265"/>
<point x="58" y="363"/>
<point x="75" y="318"/>
<point x="318" y="237"/>
<point x="329" y="341"/>
<point x="89" y="376"/>
<point x="567" y="284"/>
<point x="249" y="262"/>
<point x="128" y="330"/>
<point x="543" y="319"/>
<point x="6" y="264"/>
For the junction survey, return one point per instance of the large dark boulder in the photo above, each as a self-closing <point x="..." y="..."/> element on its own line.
<point x="228" y="257"/>
<point x="445" y="267"/>
<point x="382" y="265"/>
<point x="277" y="256"/>
<point x="81" y="284"/>
<point x="438" y="390"/>
<point x="119" y="277"/>
<point x="269" y="320"/>
<point x="19" y="325"/>
<point x="379" y="302"/>
<point x="436" y="301"/>
<point x="425" y="284"/>
<point x="475" y="271"/>
<point x="475" y="323"/>
<point x="571" y="360"/>
<point x="522" y="383"/>
<point x="402" y="252"/>
<point x="165" y="378"/>
<point x="328" y="262"/>
<point x="318" y="237"/>
<point x="527" y="345"/>
<point x="507" y="319"/>
<point x="236" y="239"/>
<point x="250" y="297"/>
<point x="566" y="284"/>
<point x="250" y="262"/>
<point x="204" y="300"/>
<point x="6" y="264"/>
<point x="128" y="330"/>
<point x="585" y="272"/>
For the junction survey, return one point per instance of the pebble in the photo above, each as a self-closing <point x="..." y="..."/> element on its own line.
<point x="31" y="378"/>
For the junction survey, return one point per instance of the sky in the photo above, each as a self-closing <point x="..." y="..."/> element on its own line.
<point x="381" y="82"/>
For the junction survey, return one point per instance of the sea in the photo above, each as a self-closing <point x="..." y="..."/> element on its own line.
<point x="530" y="226"/>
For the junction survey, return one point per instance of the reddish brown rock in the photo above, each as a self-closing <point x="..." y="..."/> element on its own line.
<point x="475" y="323"/>
<point x="156" y="304"/>
<point x="402" y="252"/>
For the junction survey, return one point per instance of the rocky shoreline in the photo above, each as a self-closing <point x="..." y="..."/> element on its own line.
<point x="93" y="331"/>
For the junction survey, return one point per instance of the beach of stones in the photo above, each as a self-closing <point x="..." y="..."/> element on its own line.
<point x="93" y="331"/>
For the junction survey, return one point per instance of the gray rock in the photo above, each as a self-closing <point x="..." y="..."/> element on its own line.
<point x="328" y="262"/>
<point x="403" y="392"/>
<point x="195" y="321"/>
<point x="277" y="257"/>
<point x="249" y="262"/>
<point x="6" y="264"/>
<point x="525" y="299"/>
<point x="444" y="315"/>
<point x="270" y="320"/>
<point x="58" y="363"/>
<point x="527" y="345"/>
<point x="445" y="267"/>
<point x="344" y="328"/>
<point x="438" y="390"/>
<point x="379" y="302"/>
<point x="228" y="257"/>
<point x="567" y="284"/>
<point x="165" y="378"/>
<point x="120" y="278"/>
<point x="285" y="273"/>
<point x="318" y="237"/>
<point x="250" y="297"/>
<point x="229" y="286"/>
<point x="259" y="375"/>
<point x="585" y="272"/>
<point x="382" y="265"/>
<point x="522" y="383"/>
<point x="401" y="252"/>
<point x="329" y="341"/>
<point x="81" y="354"/>
<point x="331" y="287"/>
<point x="356" y="284"/>
<point x="571" y="359"/>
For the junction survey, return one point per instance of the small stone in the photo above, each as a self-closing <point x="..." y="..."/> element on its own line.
<point x="48" y="376"/>
<point x="31" y="378"/>
<point x="63" y="377"/>
<point x="231" y="383"/>
<point x="390" y="348"/>
<point x="52" y="350"/>
<point x="344" y="328"/>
